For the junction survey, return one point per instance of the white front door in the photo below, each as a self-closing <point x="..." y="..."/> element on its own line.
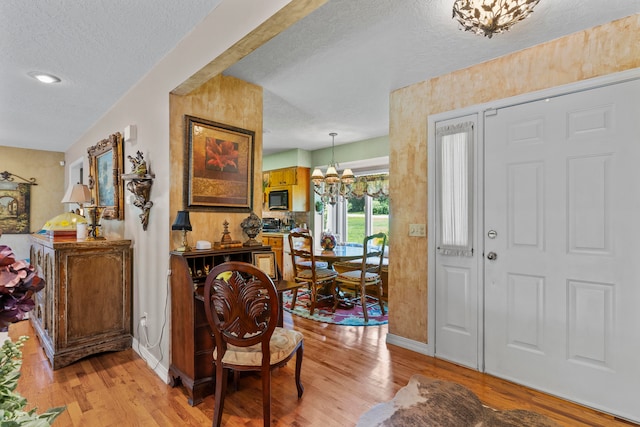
<point x="562" y="287"/>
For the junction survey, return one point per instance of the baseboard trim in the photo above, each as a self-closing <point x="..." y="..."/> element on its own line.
<point x="152" y="362"/>
<point x="418" y="347"/>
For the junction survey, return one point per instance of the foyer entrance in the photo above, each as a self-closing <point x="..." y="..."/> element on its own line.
<point x="559" y="279"/>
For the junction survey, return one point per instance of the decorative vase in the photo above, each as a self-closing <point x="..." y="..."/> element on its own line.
<point x="327" y="241"/>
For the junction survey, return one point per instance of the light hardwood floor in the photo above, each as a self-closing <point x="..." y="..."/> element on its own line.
<point x="345" y="371"/>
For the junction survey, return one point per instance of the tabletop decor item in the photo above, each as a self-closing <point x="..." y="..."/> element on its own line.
<point x="327" y="241"/>
<point x="251" y="225"/>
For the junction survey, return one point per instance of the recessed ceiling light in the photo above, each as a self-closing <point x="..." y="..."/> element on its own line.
<point x="44" y="77"/>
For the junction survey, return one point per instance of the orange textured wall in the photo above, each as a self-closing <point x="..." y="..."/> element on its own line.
<point x="599" y="51"/>
<point x="226" y="100"/>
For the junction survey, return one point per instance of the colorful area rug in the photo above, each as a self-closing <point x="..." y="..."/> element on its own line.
<point x="429" y="402"/>
<point x="342" y="316"/>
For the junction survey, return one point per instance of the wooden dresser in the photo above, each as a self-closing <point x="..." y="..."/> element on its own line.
<point x="85" y="306"/>
<point x="191" y="340"/>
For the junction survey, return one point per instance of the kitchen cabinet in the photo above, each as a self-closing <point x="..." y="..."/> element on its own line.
<point x="286" y="176"/>
<point x="295" y="180"/>
<point x="85" y="306"/>
<point x="279" y="243"/>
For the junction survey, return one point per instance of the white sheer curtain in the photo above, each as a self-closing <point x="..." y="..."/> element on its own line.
<point x="455" y="182"/>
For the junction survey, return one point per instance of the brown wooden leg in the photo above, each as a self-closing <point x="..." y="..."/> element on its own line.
<point x="299" y="354"/>
<point x="380" y="292"/>
<point x="363" y="300"/>
<point x="266" y="395"/>
<point x="221" y="388"/>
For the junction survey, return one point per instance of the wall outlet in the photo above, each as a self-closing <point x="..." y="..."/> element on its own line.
<point x="417" y="230"/>
<point x="143" y="319"/>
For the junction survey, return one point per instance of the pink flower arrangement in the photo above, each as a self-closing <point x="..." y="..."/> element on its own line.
<point x="18" y="283"/>
<point x="327" y="241"/>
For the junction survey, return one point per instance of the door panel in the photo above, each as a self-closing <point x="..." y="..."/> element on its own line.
<point x="457" y="287"/>
<point x="561" y="190"/>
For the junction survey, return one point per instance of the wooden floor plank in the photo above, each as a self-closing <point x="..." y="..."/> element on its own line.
<point x="346" y="370"/>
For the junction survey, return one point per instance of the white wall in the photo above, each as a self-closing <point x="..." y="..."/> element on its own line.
<point x="146" y="105"/>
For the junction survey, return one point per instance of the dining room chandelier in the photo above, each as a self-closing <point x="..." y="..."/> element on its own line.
<point x="330" y="186"/>
<point x="489" y="17"/>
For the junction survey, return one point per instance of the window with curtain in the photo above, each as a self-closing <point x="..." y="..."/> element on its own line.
<point x="454" y="148"/>
<point x="365" y="211"/>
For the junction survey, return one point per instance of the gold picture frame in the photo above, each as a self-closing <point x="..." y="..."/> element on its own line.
<point x="218" y="171"/>
<point x="105" y="176"/>
<point x="266" y="261"/>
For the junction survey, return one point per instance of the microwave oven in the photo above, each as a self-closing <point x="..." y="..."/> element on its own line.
<point x="279" y="200"/>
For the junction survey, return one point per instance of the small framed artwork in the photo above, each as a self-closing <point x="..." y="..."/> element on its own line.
<point x="218" y="167"/>
<point x="266" y="261"/>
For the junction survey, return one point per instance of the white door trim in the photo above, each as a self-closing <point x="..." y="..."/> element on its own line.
<point x="480" y="109"/>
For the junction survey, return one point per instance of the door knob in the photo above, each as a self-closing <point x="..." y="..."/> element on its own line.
<point x="492" y="256"/>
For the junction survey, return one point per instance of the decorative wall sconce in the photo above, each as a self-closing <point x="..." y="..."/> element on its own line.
<point x="140" y="182"/>
<point x="489" y="17"/>
<point x="182" y="223"/>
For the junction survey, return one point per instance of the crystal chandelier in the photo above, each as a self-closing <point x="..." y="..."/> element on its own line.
<point x="330" y="186"/>
<point x="489" y="17"/>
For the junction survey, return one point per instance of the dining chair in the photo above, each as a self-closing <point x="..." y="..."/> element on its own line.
<point x="367" y="275"/>
<point x="317" y="278"/>
<point x="241" y="305"/>
<point x="301" y="263"/>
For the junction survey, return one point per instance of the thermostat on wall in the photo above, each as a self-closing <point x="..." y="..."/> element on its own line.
<point x="203" y="244"/>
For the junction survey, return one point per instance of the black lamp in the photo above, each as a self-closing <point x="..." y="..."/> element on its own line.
<point x="182" y="223"/>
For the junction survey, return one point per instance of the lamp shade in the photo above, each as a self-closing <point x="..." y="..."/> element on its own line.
<point x="77" y="193"/>
<point x="182" y="221"/>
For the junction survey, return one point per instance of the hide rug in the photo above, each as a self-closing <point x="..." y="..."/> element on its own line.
<point x="430" y="402"/>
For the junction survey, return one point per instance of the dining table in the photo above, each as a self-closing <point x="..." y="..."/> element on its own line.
<point x="338" y="254"/>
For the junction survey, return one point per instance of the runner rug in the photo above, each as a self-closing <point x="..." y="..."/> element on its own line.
<point x="343" y="316"/>
<point x="426" y="401"/>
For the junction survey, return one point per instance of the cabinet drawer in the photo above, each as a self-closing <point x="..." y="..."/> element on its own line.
<point x="275" y="242"/>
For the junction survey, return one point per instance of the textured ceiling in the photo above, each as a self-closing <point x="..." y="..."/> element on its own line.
<point x="332" y="71"/>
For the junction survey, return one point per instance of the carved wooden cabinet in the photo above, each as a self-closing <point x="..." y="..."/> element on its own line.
<point x="191" y="340"/>
<point x="85" y="306"/>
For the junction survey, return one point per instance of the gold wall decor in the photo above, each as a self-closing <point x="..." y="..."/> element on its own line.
<point x="105" y="171"/>
<point x="218" y="167"/>
<point x="140" y="182"/>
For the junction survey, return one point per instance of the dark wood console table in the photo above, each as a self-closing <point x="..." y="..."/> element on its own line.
<point x="191" y="341"/>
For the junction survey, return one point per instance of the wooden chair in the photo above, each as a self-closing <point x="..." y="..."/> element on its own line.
<point x="369" y="273"/>
<point x="310" y="273"/>
<point x="241" y="304"/>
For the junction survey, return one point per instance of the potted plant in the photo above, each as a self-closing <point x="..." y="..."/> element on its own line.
<point x="12" y="404"/>
<point x="18" y="283"/>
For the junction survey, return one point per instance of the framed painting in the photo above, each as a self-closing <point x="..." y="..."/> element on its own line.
<point x="266" y="261"/>
<point x="105" y="176"/>
<point x="218" y="166"/>
<point x="14" y="208"/>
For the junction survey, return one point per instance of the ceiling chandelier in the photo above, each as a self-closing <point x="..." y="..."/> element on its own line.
<point x="330" y="186"/>
<point x="489" y="17"/>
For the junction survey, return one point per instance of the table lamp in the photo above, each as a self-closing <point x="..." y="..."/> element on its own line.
<point x="182" y="223"/>
<point x="77" y="193"/>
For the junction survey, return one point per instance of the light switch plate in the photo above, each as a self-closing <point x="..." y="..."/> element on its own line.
<point x="417" y="230"/>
